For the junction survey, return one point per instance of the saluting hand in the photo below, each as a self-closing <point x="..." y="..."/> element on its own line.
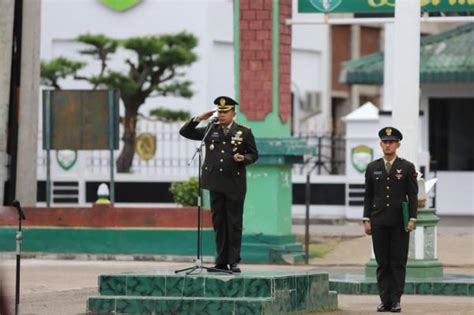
<point x="206" y="115"/>
<point x="239" y="157"/>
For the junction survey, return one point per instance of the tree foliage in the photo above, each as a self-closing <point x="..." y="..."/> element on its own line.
<point x="169" y="115"/>
<point x="156" y="68"/>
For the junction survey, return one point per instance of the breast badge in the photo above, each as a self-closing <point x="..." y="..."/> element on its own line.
<point x="399" y="174"/>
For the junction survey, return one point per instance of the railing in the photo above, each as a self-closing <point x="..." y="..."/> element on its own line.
<point x="330" y="156"/>
<point x="174" y="152"/>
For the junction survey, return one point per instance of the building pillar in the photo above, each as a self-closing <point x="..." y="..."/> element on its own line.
<point x="6" y="40"/>
<point x="29" y="105"/>
<point x="406" y="76"/>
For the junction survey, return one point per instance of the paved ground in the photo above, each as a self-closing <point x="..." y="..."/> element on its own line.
<point x="63" y="286"/>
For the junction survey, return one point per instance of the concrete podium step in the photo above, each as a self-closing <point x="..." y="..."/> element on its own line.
<point x="164" y="292"/>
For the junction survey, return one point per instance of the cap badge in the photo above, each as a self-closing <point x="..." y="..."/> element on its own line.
<point x="388" y="131"/>
<point x="222" y="101"/>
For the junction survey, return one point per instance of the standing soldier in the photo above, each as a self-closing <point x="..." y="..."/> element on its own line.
<point x="230" y="147"/>
<point x="389" y="182"/>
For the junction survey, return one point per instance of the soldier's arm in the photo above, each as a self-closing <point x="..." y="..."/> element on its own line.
<point x="368" y="195"/>
<point x="251" y="152"/>
<point x="412" y="191"/>
<point x="190" y="131"/>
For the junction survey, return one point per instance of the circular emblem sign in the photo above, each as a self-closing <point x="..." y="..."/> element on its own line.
<point x="120" y="5"/>
<point x="145" y="146"/>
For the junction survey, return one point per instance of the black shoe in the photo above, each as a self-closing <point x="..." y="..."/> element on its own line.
<point x="396" y="308"/>
<point x="383" y="307"/>
<point x="218" y="268"/>
<point x="235" y="268"/>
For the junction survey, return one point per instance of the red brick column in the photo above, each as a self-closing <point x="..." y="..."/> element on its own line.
<point x="255" y="27"/>
<point x="256" y="73"/>
<point x="284" y="61"/>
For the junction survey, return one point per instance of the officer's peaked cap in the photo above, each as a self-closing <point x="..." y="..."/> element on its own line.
<point x="390" y="133"/>
<point x="225" y="103"/>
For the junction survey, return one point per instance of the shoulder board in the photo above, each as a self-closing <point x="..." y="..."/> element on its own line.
<point x="246" y="127"/>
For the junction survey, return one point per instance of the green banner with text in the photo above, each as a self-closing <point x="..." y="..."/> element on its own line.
<point x="380" y="6"/>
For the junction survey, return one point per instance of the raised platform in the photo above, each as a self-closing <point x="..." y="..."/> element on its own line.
<point x="164" y="292"/>
<point x="353" y="283"/>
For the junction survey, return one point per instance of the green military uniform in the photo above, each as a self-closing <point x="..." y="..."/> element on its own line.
<point x="225" y="179"/>
<point x="384" y="194"/>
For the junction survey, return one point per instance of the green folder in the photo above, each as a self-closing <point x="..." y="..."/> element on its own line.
<point x="406" y="215"/>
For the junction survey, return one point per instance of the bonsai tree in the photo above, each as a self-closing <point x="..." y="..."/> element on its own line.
<point x="156" y="69"/>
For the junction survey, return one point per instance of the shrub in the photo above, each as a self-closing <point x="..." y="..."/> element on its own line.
<point x="185" y="193"/>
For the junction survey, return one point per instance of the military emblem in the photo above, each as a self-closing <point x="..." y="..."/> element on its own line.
<point x="325" y="6"/>
<point x="145" y="146"/>
<point x="222" y="101"/>
<point x="120" y="5"/>
<point x="361" y="156"/>
<point x="66" y="158"/>
<point x="388" y="131"/>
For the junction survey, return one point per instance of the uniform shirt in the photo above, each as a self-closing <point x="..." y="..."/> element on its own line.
<point x="385" y="192"/>
<point x="220" y="172"/>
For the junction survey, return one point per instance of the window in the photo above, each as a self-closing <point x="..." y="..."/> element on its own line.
<point x="451" y="133"/>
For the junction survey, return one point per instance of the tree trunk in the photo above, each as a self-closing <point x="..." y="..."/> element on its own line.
<point x="125" y="159"/>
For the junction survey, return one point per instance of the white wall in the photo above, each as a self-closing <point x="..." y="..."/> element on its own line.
<point x="455" y="193"/>
<point x="63" y="21"/>
<point x="311" y="71"/>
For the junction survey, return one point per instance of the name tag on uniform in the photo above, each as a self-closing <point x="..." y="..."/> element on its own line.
<point x="215" y="134"/>
<point x="377" y="172"/>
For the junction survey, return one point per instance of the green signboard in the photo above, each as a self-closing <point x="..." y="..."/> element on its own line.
<point x="380" y="6"/>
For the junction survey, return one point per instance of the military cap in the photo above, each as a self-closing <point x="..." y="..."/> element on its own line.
<point x="390" y="133"/>
<point x="225" y="103"/>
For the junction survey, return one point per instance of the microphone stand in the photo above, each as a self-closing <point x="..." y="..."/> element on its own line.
<point x="198" y="261"/>
<point x="19" y="237"/>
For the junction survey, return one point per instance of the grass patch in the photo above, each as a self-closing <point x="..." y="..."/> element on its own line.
<point x="323" y="248"/>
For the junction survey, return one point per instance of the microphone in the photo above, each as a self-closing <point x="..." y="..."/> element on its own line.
<point x="17" y="205"/>
<point x="213" y="120"/>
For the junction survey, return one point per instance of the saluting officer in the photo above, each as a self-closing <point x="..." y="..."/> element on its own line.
<point x="230" y="147"/>
<point x="389" y="181"/>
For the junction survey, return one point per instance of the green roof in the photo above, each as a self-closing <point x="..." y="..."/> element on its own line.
<point x="444" y="58"/>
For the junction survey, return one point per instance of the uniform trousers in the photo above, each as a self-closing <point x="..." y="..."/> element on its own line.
<point x="391" y="252"/>
<point x="227" y="210"/>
